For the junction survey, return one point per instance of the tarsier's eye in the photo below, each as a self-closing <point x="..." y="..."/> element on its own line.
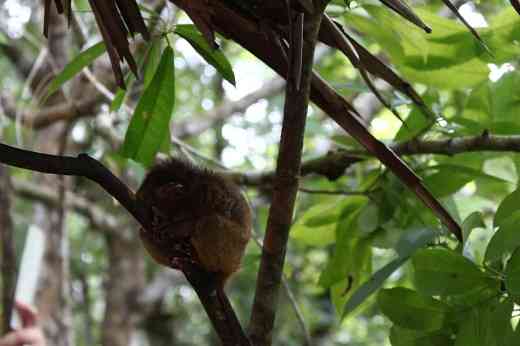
<point x="171" y="190"/>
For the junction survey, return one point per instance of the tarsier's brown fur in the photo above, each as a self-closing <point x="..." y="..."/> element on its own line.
<point x="196" y="216"/>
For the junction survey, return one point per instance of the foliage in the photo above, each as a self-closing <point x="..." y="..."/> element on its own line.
<point x="368" y="248"/>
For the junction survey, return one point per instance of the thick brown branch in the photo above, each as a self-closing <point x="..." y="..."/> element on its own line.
<point x="82" y="166"/>
<point x="285" y="185"/>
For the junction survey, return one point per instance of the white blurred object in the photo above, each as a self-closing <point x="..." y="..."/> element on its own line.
<point x="29" y="270"/>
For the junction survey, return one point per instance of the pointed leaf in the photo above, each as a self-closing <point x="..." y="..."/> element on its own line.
<point x="152" y="62"/>
<point x="213" y="56"/>
<point x="81" y="61"/>
<point x="149" y="125"/>
<point x="474" y="220"/>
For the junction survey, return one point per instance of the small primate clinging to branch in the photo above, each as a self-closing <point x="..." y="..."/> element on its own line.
<point x="197" y="217"/>
<point x="199" y="222"/>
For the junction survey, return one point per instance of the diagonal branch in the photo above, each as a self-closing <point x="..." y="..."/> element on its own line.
<point x="249" y="35"/>
<point x="81" y="166"/>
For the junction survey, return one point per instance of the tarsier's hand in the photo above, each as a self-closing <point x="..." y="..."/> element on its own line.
<point x="30" y="333"/>
<point x="196" y="217"/>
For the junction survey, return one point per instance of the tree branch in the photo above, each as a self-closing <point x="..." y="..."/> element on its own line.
<point x="458" y="145"/>
<point x="82" y="166"/>
<point x="285" y="183"/>
<point x="333" y="164"/>
<point x="85" y="166"/>
<point x="252" y="38"/>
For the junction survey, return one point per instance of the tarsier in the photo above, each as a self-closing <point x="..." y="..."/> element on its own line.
<point x="196" y="218"/>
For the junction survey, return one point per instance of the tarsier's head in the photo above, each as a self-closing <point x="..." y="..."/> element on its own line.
<point x="186" y="203"/>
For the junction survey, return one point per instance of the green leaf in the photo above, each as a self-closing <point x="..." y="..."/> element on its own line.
<point x="213" y="56"/>
<point x="407" y="337"/>
<point x="474" y="220"/>
<point x="81" y="61"/>
<point x="152" y="62"/>
<point x="450" y="178"/>
<point x="408" y="244"/>
<point x="493" y="107"/>
<point x="416" y="123"/>
<point x="408" y="309"/>
<point x="448" y="58"/>
<point x="444" y="272"/>
<point x="349" y="253"/>
<point x="413" y="240"/>
<point x="325" y="217"/>
<point x="487" y="324"/>
<point x="372" y="285"/>
<point x="505" y="240"/>
<point x="119" y="97"/>
<point x="314" y="235"/>
<point x="507" y="207"/>
<point x="149" y="125"/>
<point x="317" y="226"/>
<point x="513" y="276"/>
<point x="368" y="219"/>
<point x="359" y="268"/>
<point x="130" y="79"/>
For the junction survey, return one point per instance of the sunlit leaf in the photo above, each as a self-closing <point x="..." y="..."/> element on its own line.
<point x="74" y="67"/>
<point x="149" y="125"/>
<point x="507" y="207"/>
<point x="505" y="240"/>
<point x="474" y="220"/>
<point x="213" y="56"/>
<point x="152" y="62"/>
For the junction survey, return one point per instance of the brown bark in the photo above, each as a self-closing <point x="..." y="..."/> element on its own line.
<point x="285" y="186"/>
